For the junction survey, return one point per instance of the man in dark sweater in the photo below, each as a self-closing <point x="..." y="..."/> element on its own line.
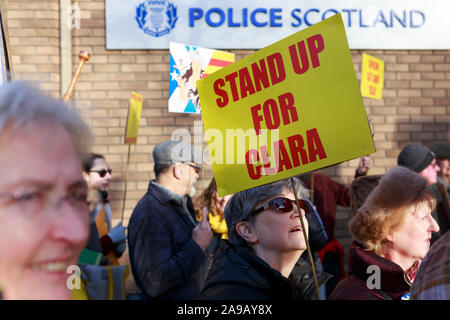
<point x="167" y="246"/>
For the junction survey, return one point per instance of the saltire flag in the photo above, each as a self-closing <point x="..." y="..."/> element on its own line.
<point x="187" y="65"/>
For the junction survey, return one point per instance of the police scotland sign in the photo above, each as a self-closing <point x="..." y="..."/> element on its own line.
<point x="254" y="24"/>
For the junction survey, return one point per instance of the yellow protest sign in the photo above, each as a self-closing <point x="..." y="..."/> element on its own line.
<point x="134" y="118"/>
<point x="290" y="108"/>
<point x="372" y="77"/>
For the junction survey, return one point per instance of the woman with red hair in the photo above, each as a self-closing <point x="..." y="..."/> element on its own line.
<point x="392" y="233"/>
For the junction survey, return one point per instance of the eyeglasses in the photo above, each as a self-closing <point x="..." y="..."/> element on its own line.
<point x="102" y="172"/>
<point x="35" y="203"/>
<point x="196" y="168"/>
<point x="282" y="205"/>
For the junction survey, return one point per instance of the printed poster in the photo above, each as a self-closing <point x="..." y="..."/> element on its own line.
<point x="372" y="77"/>
<point x="188" y="64"/>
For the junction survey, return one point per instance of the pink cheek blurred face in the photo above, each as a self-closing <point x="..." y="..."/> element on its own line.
<point x="412" y="238"/>
<point x="37" y="247"/>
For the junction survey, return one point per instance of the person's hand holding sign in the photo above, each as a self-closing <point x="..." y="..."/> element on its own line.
<point x="202" y="233"/>
<point x="365" y="163"/>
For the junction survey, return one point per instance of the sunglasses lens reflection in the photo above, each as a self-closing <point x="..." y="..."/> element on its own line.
<point x="286" y="205"/>
<point x="282" y="204"/>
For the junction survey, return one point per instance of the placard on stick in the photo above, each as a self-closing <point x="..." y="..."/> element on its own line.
<point x="134" y="118"/>
<point x="290" y="108"/>
<point x="372" y="77"/>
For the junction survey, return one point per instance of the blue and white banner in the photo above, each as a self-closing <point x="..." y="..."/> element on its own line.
<point x="254" y="24"/>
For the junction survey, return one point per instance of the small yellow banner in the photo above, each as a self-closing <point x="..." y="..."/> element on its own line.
<point x="290" y="108"/>
<point x="134" y="118"/>
<point x="372" y="77"/>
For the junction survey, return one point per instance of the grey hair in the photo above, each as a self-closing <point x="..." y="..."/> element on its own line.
<point x="242" y="203"/>
<point x="24" y="107"/>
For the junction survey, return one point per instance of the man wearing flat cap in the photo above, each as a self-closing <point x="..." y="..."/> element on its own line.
<point x="422" y="160"/>
<point x="167" y="246"/>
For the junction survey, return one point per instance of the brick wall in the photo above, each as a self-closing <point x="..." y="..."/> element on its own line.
<point x="33" y="28"/>
<point x="415" y="105"/>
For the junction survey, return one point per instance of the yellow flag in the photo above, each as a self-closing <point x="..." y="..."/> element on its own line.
<point x="134" y="118"/>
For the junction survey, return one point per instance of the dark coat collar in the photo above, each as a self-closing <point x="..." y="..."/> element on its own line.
<point x="393" y="278"/>
<point x="239" y="265"/>
<point x="162" y="196"/>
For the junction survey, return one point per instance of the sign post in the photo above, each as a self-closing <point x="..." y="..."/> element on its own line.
<point x="131" y="135"/>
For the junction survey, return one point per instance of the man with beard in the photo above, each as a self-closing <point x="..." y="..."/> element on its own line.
<point x="167" y="246"/>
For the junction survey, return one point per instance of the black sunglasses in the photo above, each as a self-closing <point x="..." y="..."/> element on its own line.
<point x="102" y="172"/>
<point x="282" y="205"/>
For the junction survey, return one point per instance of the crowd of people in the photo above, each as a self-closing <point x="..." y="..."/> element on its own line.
<point x="55" y="215"/>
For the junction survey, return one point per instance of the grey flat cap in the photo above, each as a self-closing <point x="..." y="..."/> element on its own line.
<point x="174" y="151"/>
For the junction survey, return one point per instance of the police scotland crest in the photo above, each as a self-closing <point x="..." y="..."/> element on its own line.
<point x="156" y="18"/>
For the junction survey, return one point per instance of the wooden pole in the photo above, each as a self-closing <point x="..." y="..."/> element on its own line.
<point x="84" y="57"/>
<point x="126" y="182"/>
<point x="203" y="166"/>
<point x="306" y="239"/>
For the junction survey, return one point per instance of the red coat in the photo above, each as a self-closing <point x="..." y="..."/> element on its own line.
<point x="327" y="194"/>
<point x="393" y="279"/>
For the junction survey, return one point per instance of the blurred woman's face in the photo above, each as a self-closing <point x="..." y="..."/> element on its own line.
<point x="280" y="231"/>
<point x="95" y="179"/>
<point x="412" y="239"/>
<point x="44" y="216"/>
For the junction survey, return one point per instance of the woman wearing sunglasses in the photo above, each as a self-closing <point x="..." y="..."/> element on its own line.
<point x="265" y="240"/>
<point x="392" y="232"/>
<point x="98" y="177"/>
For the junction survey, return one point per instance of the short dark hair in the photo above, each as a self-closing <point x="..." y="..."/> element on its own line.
<point x="88" y="161"/>
<point x="161" y="168"/>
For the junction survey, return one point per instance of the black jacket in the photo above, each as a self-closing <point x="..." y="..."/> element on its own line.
<point x="238" y="274"/>
<point x="166" y="262"/>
